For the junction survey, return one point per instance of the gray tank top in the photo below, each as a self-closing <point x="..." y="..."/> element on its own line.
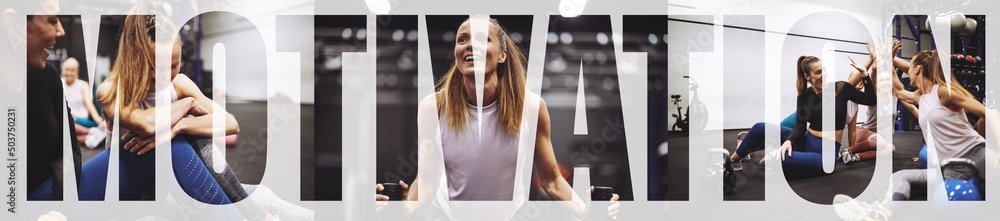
<point x="872" y="122"/>
<point x="953" y="135"/>
<point x="479" y="168"/>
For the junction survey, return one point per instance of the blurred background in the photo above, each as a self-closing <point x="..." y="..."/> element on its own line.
<point x="584" y="41"/>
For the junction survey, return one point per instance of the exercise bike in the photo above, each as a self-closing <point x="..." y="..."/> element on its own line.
<point x="683" y="122"/>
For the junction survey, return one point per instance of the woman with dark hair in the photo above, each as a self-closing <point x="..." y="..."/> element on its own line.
<point x="801" y="147"/>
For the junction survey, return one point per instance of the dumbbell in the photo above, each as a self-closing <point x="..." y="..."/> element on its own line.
<point x="961" y="179"/>
<point x="601" y="193"/>
<point x="393" y="191"/>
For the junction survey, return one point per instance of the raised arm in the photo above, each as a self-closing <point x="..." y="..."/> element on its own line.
<point x="857" y="76"/>
<point x="866" y="97"/>
<point x="897" y="87"/>
<point x="913" y="109"/>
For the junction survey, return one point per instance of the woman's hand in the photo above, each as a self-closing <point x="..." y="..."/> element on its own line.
<point x="197" y="109"/>
<point x="854" y="64"/>
<point x="871" y="52"/>
<point x="98" y="120"/>
<point x="380" y="199"/>
<point x="896" y="47"/>
<point x="613" y="208"/>
<point x="785" y="150"/>
<point x="142" y="145"/>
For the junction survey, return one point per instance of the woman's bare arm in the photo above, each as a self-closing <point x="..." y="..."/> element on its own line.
<point x="142" y="122"/>
<point x="88" y="102"/>
<point x="201" y="125"/>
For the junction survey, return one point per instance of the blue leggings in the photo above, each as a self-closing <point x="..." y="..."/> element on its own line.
<point x="807" y="154"/>
<point x="86" y="122"/>
<point x="136" y="172"/>
<point x="93" y="179"/>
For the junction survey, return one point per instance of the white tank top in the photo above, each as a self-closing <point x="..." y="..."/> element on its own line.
<point x="952" y="134"/>
<point x="479" y="168"/>
<point x="74" y="99"/>
<point x="852" y="109"/>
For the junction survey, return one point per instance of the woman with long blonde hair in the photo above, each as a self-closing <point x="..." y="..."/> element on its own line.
<point x="943" y="104"/>
<point x="131" y="92"/>
<point x="480" y="148"/>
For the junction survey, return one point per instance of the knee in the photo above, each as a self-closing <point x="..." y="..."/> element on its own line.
<point x="179" y="141"/>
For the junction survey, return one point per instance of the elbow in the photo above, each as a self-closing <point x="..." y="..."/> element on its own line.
<point x="232" y="127"/>
<point x="551" y="188"/>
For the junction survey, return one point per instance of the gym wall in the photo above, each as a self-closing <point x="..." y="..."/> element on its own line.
<point x="785" y="37"/>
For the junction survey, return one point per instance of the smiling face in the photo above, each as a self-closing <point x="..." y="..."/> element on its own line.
<point x="466" y="40"/>
<point x="70" y="70"/>
<point x="42" y="30"/>
<point x="815" y="74"/>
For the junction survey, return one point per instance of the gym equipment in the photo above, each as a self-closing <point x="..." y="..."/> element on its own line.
<point x="739" y="140"/>
<point x="962" y="190"/>
<point x="720" y="174"/>
<point x="922" y="157"/>
<point x="957" y="22"/>
<point x="961" y="179"/>
<point x="393" y="191"/>
<point x="682" y="120"/>
<point x="739" y="137"/>
<point x="729" y="179"/>
<point x="601" y="193"/>
<point x="970" y="26"/>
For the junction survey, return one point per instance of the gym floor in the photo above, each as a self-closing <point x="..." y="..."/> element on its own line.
<point x="850" y="179"/>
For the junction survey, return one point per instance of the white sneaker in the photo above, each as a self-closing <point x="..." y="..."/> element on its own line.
<point x="96" y="136"/>
<point x="737" y="165"/>
<point x="774" y="155"/>
<point x="849" y="209"/>
<point x="848" y="157"/>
